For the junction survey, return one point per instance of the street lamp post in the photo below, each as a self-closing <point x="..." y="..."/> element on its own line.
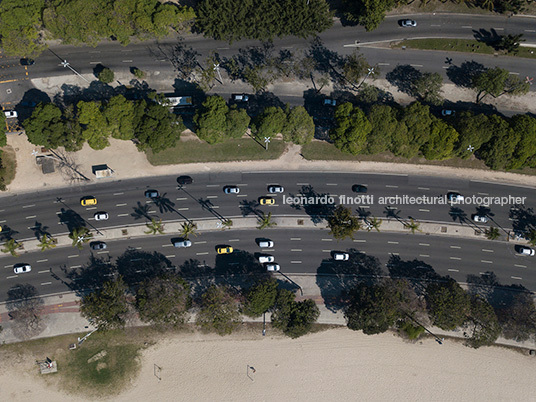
<point x="266" y="141"/>
<point x="65" y="63"/>
<point x="370" y="71"/>
<point x="217" y="68"/>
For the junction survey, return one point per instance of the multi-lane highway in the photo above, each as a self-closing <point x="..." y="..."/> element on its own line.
<point x="297" y="250"/>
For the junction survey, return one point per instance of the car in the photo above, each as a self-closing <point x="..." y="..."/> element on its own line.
<point x="448" y="112"/>
<point x="266" y="243"/>
<point x="98" y="245"/>
<point x="182" y="180"/>
<point x="151" y="194"/>
<point x="240" y="97"/>
<point x="272" y="267"/>
<point x="480" y="218"/>
<point x="266" y="258"/>
<point x="266" y="201"/>
<point x="26" y="61"/>
<point x="454" y="197"/>
<point x="330" y="102"/>
<point x="28" y="103"/>
<point x="22" y="268"/>
<point x="231" y="190"/>
<point x="10" y="114"/>
<point x="359" y="188"/>
<point x="523" y="250"/>
<point x="225" y="250"/>
<point x="182" y="243"/>
<point x="340" y="256"/>
<point x="88" y="200"/>
<point x="408" y="23"/>
<point x="101" y="216"/>
<point x="275" y="189"/>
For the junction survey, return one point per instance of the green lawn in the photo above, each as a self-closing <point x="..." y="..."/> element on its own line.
<point x="461" y="45"/>
<point x="243" y="149"/>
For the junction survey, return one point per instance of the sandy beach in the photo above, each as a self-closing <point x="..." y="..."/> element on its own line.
<point x="337" y="364"/>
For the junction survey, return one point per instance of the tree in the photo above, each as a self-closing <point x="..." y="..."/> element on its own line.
<point x="427" y="88"/>
<point x="108" y="306"/>
<point x="106" y="75"/>
<point x="374" y="223"/>
<point x="518" y="317"/>
<point x="94" y="125"/>
<point x="139" y="74"/>
<point x="237" y="121"/>
<point x="384" y="121"/>
<point x="299" y="127"/>
<point x="352" y="129"/>
<point x="448" y="303"/>
<point x="440" y="144"/>
<point x="11" y="246"/>
<point x="156" y="127"/>
<point x="369" y="13"/>
<point x="79" y="236"/>
<point x="219" y="310"/>
<point x="342" y="223"/>
<point x="261" y="297"/>
<point x="20" y="25"/>
<point x="47" y="242"/>
<point x="163" y="300"/>
<point x="155" y="227"/>
<point x="3" y="130"/>
<point x="211" y="119"/>
<point x="498" y="151"/>
<point x="295" y="319"/>
<point x="417" y="120"/>
<point x="483" y="323"/>
<point x="119" y="114"/>
<point x="492" y="233"/>
<point x="510" y="43"/>
<point x="524" y="153"/>
<point x="269" y="122"/>
<point x="473" y="131"/>
<point x="188" y="229"/>
<point x="354" y="68"/>
<point x="497" y="82"/>
<point x="265" y="221"/>
<point x="25" y="308"/>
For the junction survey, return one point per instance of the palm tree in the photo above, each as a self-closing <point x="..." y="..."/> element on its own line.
<point x="11" y="246"/>
<point x="79" y="236"/>
<point x="492" y="233"/>
<point x="374" y="223"/>
<point x="47" y="242"/>
<point x="412" y="226"/>
<point x="488" y="4"/>
<point x="226" y="224"/>
<point x="155" y="227"/>
<point x="188" y="229"/>
<point x="266" y="221"/>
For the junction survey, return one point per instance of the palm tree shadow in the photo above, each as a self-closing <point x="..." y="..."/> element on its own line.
<point x="458" y="214"/>
<point x="250" y="207"/>
<point x="141" y="211"/>
<point x="40" y="230"/>
<point x="164" y="204"/>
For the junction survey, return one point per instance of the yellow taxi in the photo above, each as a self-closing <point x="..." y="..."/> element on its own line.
<point x="87" y="201"/>
<point x="225" y="250"/>
<point x="267" y="201"/>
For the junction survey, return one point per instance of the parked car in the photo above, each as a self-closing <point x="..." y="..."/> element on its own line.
<point x="340" y="256"/>
<point x="480" y="218"/>
<point x="240" y="97"/>
<point x="266" y="258"/>
<point x="272" y="267"/>
<point x="88" y="200"/>
<point x="330" y="102"/>
<point x="359" y="188"/>
<point x="182" y="180"/>
<point x="10" y="114"/>
<point x="26" y="61"/>
<point x="525" y="250"/>
<point x="98" y="245"/>
<point x="182" y="243"/>
<point x="454" y="197"/>
<point x="448" y="112"/>
<point x="266" y="243"/>
<point x="225" y="250"/>
<point x="101" y="216"/>
<point x="21" y="268"/>
<point x="152" y="194"/>
<point x="266" y="201"/>
<point x="231" y="190"/>
<point x="275" y="189"/>
<point x="408" y="23"/>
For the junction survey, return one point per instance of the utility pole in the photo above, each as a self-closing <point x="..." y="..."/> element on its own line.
<point x="370" y="71"/>
<point x="266" y="141"/>
<point x="65" y="63"/>
<point x="217" y="68"/>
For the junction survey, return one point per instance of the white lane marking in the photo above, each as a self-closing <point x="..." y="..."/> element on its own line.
<point x="4" y="221"/>
<point x="208" y="196"/>
<point x="424" y="244"/>
<point x="89" y="209"/>
<point x="118" y="193"/>
<point x="94" y="62"/>
<point x="152" y="212"/>
<point x="383" y="64"/>
<point x="181" y="199"/>
<point x="170" y="256"/>
<point x="295" y="238"/>
<point x="455" y="247"/>
<point x="183" y="209"/>
<point x="127" y="61"/>
<point x="326" y="251"/>
<point x="416" y="65"/>
<point x="302" y="184"/>
<point x="486" y="261"/>
<point x="242" y="195"/>
<point x="365" y="206"/>
<point x="59" y="213"/>
<point x="327" y="239"/>
<point x="513" y="73"/>
<point x="520" y="266"/>
<point x="487" y="251"/>
<point x="423" y="188"/>
<point x="46" y="283"/>
<point x="391" y="186"/>
<point x="73" y="256"/>
<point x="122" y="215"/>
<point x="215" y="206"/>
<point x="31" y="217"/>
<point x="392" y="242"/>
<point x="76" y="266"/>
<point x="201" y="253"/>
<point x="423" y="210"/>
<point x="233" y="240"/>
<point x="200" y="242"/>
<point x="453" y="270"/>
<point x="530" y="30"/>
<point x="120" y="205"/>
<point x="167" y="245"/>
<point x="482" y="193"/>
<point x="28" y="206"/>
<point x="12" y="276"/>
<point x="295" y="262"/>
<point x="44" y="271"/>
<point x="45" y="260"/>
<point x="424" y="255"/>
<point x="103" y="252"/>
<point x="392" y="253"/>
<point x="445" y="67"/>
<point x="359" y="241"/>
<point x="213" y="185"/>
<point x="455" y="258"/>
<point x="331" y="184"/>
<point x="8" y="266"/>
<point x="296" y="249"/>
<point x="516" y="277"/>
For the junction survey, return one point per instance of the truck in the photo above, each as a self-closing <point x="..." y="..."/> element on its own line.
<point x="178" y="101"/>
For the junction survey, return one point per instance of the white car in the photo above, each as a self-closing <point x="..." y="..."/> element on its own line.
<point x="455" y="197"/>
<point x="101" y="216"/>
<point x="275" y="189"/>
<point x="480" y="218"/>
<point x="231" y="190"/>
<point x="266" y="244"/>
<point x="272" y="267"/>
<point x="182" y="243"/>
<point x="10" y="114"/>
<point x="338" y="256"/>
<point x="240" y="97"/>
<point x="409" y="23"/>
<point x="525" y="251"/>
<point x="266" y="258"/>
<point x="22" y="268"/>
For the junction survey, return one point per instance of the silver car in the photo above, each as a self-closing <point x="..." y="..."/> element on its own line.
<point x="408" y="23"/>
<point x="182" y="243"/>
<point x="266" y="244"/>
<point x="272" y="267"/>
<point x="275" y="189"/>
<point x="266" y="258"/>
<point x="231" y="190"/>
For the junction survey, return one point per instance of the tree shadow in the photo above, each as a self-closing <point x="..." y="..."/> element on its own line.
<point x="25" y="307"/>
<point x="141" y="211"/>
<point x="90" y="276"/>
<point x="248" y="207"/>
<point x="416" y="271"/>
<point x="40" y="230"/>
<point x="136" y="265"/>
<point x="490" y="37"/>
<point x="29" y="101"/>
<point x="458" y="214"/>
<point x="403" y="77"/>
<point x="7" y="233"/>
<point x="239" y="268"/>
<point x="199" y="275"/>
<point x="164" y="204"/>
<point x="464" y="75"/>
<point x="523" y="218"/>
<point x="71" y="218"/>
<point x="316" y="205"/>
<point x="336" y="278"/>
<point x="393" y="213"/>
<point x="327" y="61"/>
<point x="363" y="213"/>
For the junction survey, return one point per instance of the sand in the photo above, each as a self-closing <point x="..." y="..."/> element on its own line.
<point x="338" y="364"/>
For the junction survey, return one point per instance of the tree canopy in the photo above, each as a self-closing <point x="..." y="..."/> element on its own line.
<point x="299" y="127"/>
<point x="260" y="297"/>
<point x="352" y="129"/>
<point x="449" y="304"/>
<point x="342" y="223"/>
<point x="219" y="310"/>
<point x="294" y="318"/>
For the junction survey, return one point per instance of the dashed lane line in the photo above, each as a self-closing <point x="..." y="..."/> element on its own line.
<point x="46" y="283"/>
<point x="455" y="247"/>
<point x="118" y="193"/>
<point x="122" y="215"/>
<point x="516" y="277"/>
<point x="121" y="205"/>
<point x="296" y="250"/>
<point x="453" y="270"/>
<point x="486" y="262"/>
<point x="295" y="262"/>
<point x="44" y="260"/>
<point x="424" y="244"/>
<point x="455" y="258"/>
<point x="205" y="253"/>
<point x="327" y="239"/>
<point x="520" y="266"/>
<point x="31" y="217"/>
<point x="487" y="251"/>
<point x="295" y="238"/>
<point x="73" y="256"/>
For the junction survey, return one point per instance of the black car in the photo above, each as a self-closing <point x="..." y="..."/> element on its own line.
<point x="97" y="245"/>
<point x="26" y="62"/>
<point x="151" y="194"/>
<point x="359" y="188"/>
<point x="182" y="180"/>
